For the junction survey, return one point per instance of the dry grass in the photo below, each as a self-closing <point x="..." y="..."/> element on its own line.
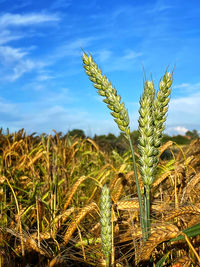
<point x="56" y="184"/>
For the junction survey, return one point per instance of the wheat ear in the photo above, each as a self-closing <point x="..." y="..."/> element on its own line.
<point x="106" y="225"/>
<point x="105" y="89"/>
<point x="160" y="110"/>
<point x="73" y="190"/>
<point x="161" y="234"/>
<point x="151" y="125"/>
<point x="61" y="218"/>
<point x="146" y="147"/>
<point x="81" y="215"/>
<point x="182" y="211"/>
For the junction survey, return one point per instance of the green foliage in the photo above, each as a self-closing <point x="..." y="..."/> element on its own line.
<point x="77" y="133"/>
<point x="192" y="134"/>
<point x="180" y="139"/>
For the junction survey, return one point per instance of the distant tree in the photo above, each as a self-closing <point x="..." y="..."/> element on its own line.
<point x="122" y="144"/>
<point x="77" y="133"/>
<point x="135" y="136"/>
<point x="106" y="142"/>
<point x="192" y="134"/>
<point x="180" y="139"/>
<point x="166" y="138"/>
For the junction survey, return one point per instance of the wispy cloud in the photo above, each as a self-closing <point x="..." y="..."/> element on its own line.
<point x="183" y="113"/>
<point x="7" y="36"/>
<point x="188" y="87"/>
<point x="26" y="19"/>
<point x="104" y="55"/>
<point x="178" y="130"/>
<point x="118" y="61"/>
<point x="9" y="54"/>
<point x="73" y="48"/>
<point x="159" y="6"/>
<point x="57" y="4"/>
<point x="21" y="68"/>
<point x="130" y="54"/>
<point x="44" y="77"/>
<point x="14" y="63"/>
<point x="186" y="105"/>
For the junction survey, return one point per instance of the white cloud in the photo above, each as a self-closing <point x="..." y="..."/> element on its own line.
<point x="10" y="54"/>
<point x="21" y="68"/>
<point x="73" y="48"/>
<point x="187" y="87"/>
<point x="7" y="36"/>
<point x="9" y="19"/>
<point x="44" y="77"/>
<point x="182" y="85"/>
<point x="14" y="63"/>
<point x="180" y="130"/>
<point x="124" y="61"/>
<point x="159" y="6"/>
<point x="186" y="106"/>
<point x="130" y="54"/>
<point x="183" y="114"/>
<point x="103" y="55"/>
<point x="57" y="4"/>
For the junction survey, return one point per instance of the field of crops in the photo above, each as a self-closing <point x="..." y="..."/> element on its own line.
<point x="50" y="190"/>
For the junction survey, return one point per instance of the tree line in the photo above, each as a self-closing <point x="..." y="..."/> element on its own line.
<point x="111" y="142"/>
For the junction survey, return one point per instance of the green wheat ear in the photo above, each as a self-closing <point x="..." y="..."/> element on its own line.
<point x="160" y="110"/>
<point x="105" y="89"/>
<point x="146" y="129"/>
<point x="106" y="225"/>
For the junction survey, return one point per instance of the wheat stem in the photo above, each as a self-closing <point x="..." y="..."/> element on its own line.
<point x="142" y="219"/>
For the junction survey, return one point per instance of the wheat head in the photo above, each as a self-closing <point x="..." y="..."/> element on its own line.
<point x="146" y="139"/>
<point x="73" y="190"/>
<point x="81" y="215"/>
<point x="181" y="212"/>
<point x="160" y="109"/>
<point x="105" y="89"/>
<point x="106" y="225"/>
<point x="159" y="235"/>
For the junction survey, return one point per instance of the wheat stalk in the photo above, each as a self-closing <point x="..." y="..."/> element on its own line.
<point x="118" y="111"/>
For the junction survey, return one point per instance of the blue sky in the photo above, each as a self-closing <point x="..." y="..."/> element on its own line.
<point x="42" y="82"/>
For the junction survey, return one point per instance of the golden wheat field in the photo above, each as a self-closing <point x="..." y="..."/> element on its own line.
<point x="50" y="189"/>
